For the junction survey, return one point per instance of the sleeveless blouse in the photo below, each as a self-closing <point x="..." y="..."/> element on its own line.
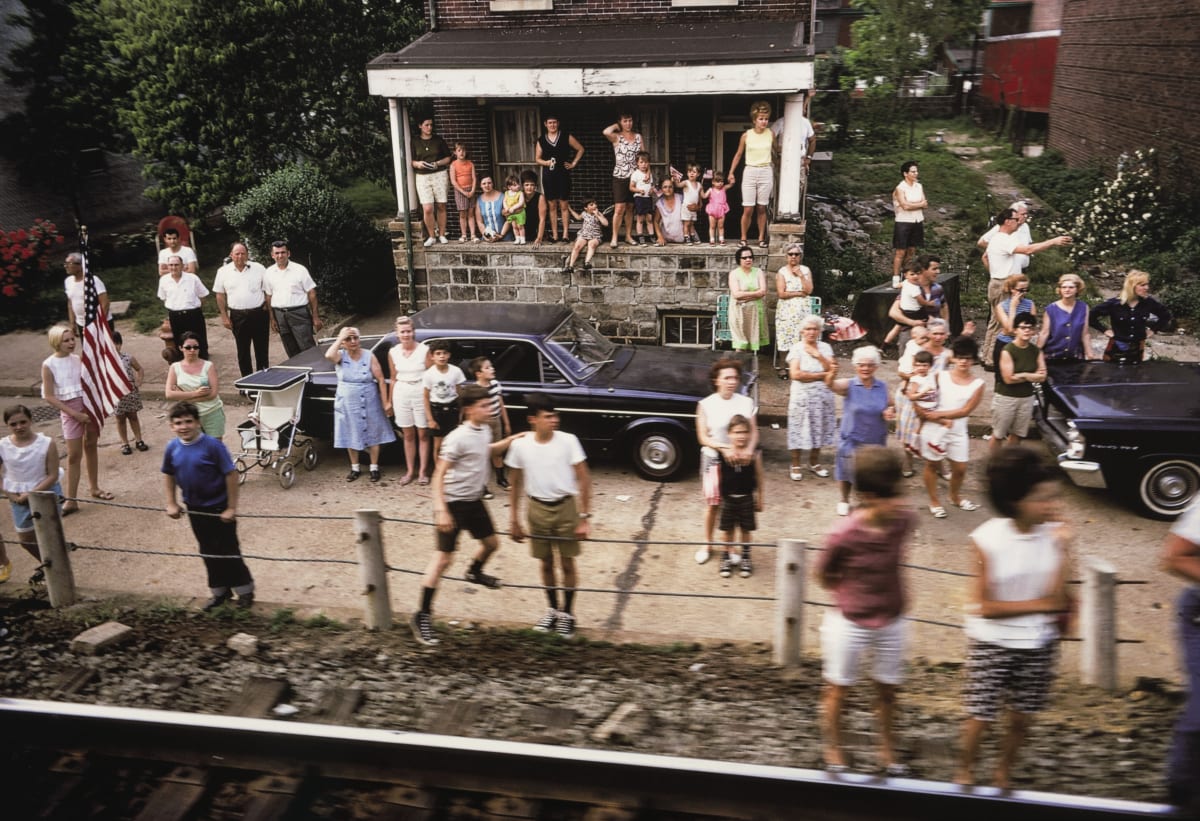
<point x="68" y="376"/>
<point x="24" y="467"/>
<point x="625" y="156"/>
<point x="193" y="382"/>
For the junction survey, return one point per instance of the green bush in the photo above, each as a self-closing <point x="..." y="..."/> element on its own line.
<point x="348" y="256"/>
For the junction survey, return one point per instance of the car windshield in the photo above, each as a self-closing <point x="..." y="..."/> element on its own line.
<point x="586" y="348"/>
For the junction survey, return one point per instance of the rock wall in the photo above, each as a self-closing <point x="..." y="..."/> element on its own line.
<point x="848" y="223"/>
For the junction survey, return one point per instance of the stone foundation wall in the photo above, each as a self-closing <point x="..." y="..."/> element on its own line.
<point x="624" y="295"/>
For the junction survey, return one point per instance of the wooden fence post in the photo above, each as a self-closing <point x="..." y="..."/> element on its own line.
<point x="47" y="527"/>
<point x="373" y="570"/>
<point x="790" y="579"/>
<point x="1098" y="624"/>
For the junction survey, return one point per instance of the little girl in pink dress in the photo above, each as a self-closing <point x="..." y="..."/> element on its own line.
<point x="717" y="208"/>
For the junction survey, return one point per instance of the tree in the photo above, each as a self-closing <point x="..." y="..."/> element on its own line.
<point x="897" y="37"/>
<point x="225" y="91"/>
<point x="70" y="85"/>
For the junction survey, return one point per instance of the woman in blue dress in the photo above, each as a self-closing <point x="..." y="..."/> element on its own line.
<point x="489" y="206"/>
<point x="866" y="411"/>
<point x="359" y="420"/>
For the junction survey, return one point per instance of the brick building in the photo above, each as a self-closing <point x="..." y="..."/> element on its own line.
<point x="1125" y="79"/>
<point x="492" y="70"/>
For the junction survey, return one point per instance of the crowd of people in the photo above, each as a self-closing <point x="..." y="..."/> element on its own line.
<point x="647" y="209"/>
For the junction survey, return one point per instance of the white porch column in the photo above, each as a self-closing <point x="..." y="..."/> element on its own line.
<point x="791" y="160"/>
<point x="406" y="187"/>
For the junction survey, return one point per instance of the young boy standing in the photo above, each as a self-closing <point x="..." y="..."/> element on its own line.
<point x="202" y="469"/>
<point x="641" y="183"/>
<point x="1021" y="365"/>
<point x="459" y="480"/>
<point x="441" y="383"/>
<point x="741" y="498"/>
<point x="551" y="467"/>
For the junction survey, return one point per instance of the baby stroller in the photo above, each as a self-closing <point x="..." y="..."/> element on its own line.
<point x="269" y="436"/>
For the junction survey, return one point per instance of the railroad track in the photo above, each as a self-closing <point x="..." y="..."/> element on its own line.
<point x="76" y="761"/>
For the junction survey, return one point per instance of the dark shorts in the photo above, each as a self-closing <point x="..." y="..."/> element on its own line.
<point x="737" y="511"/>
<point x="620" y="190"/>
<point x="997" y="676"/>
<point x="919" y="316"/>
<point x="643" y="206"/>
<point x="556" y="184"/>
<point x="908" y="235"/>
<point x="472" y="517"/>
<point x="446" y="417"/>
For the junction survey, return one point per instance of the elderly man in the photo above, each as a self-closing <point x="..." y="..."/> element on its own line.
<point x="1006" y="245"/>
<point x="243" y="306"/>
<point x="292" y="300"/>
<point x="73" y="285"/>
<point x="181" y="292"/>
<point x="173" y="247"/>
<point x="431" y="158"/>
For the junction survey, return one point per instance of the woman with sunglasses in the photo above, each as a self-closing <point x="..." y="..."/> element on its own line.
<point x="747" y="311"/>
<point x="1014" y="299"/>
<point x="195" y="380"/>
<point x="793" y="286"/>
<point x="359" y="420"/>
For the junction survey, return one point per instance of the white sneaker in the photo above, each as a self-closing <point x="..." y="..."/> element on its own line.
<point x="442" y="239"/>
<point x="703" y="555"/>
<point x="429" y="242"/>
<point x="843" y="508"/>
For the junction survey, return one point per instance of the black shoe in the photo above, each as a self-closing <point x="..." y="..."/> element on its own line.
<point x="587" y="266"/>
<point x="353" y="476"/>
<point x="215" y="602"/>
<point x="375" y="476"/>
<point x="503" y="483"/>
<point x="245" y="602"/>
<point x="422" y="629"/>
<point x="481" y="578"/>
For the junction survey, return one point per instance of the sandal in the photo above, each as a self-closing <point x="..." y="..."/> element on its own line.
<point x="424" y="480"/>
<point x="406" y="480"/>
<point x="938" y="512"/>
<point x="142" y="446"/>
<point x="126" y="450"/>
<point x="763" y="245"/>
<point x="907" y="474"/>
<point x="103" y="494"/>
<point x="818" y="470"/>
<point x="967" y="504"/>
<point x="796" y="473"/>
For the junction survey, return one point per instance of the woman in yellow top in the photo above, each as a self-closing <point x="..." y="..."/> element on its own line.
<point x="760" y="148"/>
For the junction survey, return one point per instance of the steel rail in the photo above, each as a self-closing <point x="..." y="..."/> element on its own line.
<point x="636" y="780"/>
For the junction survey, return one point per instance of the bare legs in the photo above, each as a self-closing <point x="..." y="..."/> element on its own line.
<point x="901" y="256"/>
<point x="441" y="560"/>
<point x="760" y="213"/>
<point x="83" y="450"/>
<point x="622" y="214"/>
<point x="1010" y="746"/>
<point x="958" y="471"/>
<point x="560" y="209"/>
<point x="133" y="423"/>
<point x="834" y="700"/>
<point x="814" y="457"/>
<point x="416" y="441"/>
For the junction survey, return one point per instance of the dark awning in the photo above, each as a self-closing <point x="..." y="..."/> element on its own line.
<point x="765" y="56"/>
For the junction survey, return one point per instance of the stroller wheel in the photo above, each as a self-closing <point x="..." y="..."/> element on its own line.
<point x="311" y="457"/>
<point x="242" y="469"/>
<point x="287" y="474"/>
<point x="266" y="458"/>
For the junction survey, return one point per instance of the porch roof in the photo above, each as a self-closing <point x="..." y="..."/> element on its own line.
<point x="761" y="56"/>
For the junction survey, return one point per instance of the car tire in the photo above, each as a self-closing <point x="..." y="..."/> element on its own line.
<point x="657" y="454"/>
<point x="1167" y="487"/>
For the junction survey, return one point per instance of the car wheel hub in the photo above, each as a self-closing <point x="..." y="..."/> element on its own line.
<point x="657" y="452"/>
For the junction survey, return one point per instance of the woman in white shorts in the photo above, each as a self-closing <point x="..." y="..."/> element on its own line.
<point x="408" y="360"/>
<point x="759" y="148"/>
<point x="959" y="392"/>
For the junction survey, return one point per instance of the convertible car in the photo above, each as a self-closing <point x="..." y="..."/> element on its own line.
<point x="1134" y="429"/>
<point x="624" y="400"/>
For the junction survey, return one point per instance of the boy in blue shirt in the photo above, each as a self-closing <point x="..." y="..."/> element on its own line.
<point x="202" y="469"/>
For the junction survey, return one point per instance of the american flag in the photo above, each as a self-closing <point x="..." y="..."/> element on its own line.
<point x="104" y="377"/>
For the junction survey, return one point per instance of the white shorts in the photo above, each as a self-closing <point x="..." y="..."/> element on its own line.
<point x="408" y="406"/>
<point x="433" y="188"/>
<point x="843" y="643"/>
<point x="956" y="446"/>
<point x="757" y="184"/>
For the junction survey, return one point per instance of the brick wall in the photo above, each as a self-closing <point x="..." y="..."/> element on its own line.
<point x="477" y="13"/>
<point x="625" y="295"/>
<point x="1126" y="79"/>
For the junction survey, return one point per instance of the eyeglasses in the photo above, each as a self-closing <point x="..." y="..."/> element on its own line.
<point x="1021" y="290"/>
<point x="793" y="253"/>
<point x="191" y="347"/>
<point x="749" y="257"/>
<point x="351" y="336"/>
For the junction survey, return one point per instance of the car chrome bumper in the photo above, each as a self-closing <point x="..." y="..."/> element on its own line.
<point x="1083" y="473"/>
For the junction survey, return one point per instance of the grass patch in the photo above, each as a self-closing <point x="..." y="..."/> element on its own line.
<point x="281" y="618"/>
<point x="323" y="622"/>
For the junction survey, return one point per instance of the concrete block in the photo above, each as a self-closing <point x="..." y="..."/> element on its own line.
<point x="243" y="644"/>
<point x="101" y="637"/>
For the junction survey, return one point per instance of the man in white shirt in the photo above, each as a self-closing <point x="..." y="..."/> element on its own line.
<point x="181" y="293"/>
<point x="551" y="467"/>
<point x="1004" y="250"/>
<point x="173" y="247"/>
<point x="292" y="299"/>
<point x="243" y="306"/>
<point x="73" y="285"/>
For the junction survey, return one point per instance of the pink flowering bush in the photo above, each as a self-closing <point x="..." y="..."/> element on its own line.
<point x="25" y="278"/>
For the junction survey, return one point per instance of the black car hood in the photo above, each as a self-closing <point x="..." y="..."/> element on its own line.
<point x="683" y="371"/>
<point x="1148" y="390"/>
